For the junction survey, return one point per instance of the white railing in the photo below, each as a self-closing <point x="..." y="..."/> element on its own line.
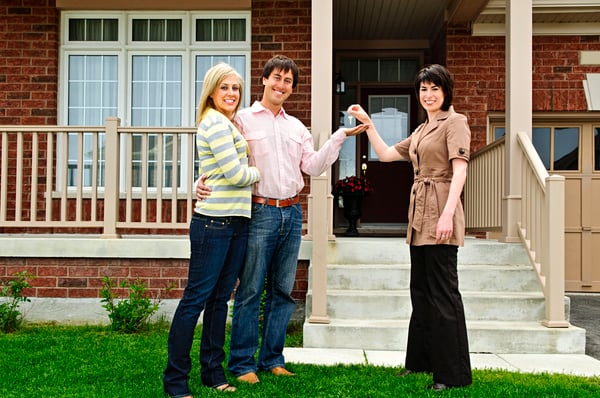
<point x="42" y="183"/>
<point x="483" y="189"/>
<point x="542" y="228"/>
<point x="541" y="225"/>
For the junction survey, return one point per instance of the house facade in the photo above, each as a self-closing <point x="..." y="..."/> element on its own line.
<point x="73" y="73"/>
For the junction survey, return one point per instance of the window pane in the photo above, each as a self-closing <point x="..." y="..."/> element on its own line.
<point x="349" y="70"/>
<point x="369" y="70"/>
<point x="111" y="30"/>
<point x="499" y="132"/>
<point x="157" y="29"/>
<point x="221" y="30"/>
<point x="408" y="69"/>
<point x="94" y="30"/>
<point x="92" y="89"/>
<point x="140" y="30"/>
<point x="203" y="30"/>
<point x="238" y="29"/>
<point x="173" y="30"/>
<point x="566" y="148"/>
<point x="390" y="115"/>
<point x="389" y="70"/>
<point x="76" y="29"/>
<point x="541" y="141"/>
<point x="156" y="90"/>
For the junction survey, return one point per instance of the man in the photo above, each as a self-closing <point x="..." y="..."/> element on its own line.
<point x="282" y="148"/>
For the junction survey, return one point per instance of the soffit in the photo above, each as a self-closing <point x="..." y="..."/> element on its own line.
<point x="399" y="20"/>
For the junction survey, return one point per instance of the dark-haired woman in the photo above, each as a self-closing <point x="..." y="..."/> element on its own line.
<point x="439" y="152"/>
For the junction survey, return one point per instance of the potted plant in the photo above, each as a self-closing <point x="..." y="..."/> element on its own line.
<point x="352" y="190"/>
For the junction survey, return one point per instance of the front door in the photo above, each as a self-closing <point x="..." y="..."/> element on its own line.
<point x="394" y="111"/>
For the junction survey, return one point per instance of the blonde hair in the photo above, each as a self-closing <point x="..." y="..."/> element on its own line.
<point x="213" y="77"/>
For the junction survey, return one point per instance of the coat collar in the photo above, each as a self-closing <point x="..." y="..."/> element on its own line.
<point x="428" y="127"/>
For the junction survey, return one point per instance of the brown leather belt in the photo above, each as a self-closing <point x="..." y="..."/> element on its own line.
<point x="276" y="202"/>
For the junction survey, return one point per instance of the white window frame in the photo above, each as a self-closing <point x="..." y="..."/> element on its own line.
<point x="125" y="48"/>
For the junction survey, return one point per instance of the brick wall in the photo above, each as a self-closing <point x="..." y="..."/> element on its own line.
<point x="477" y="64"/>
<point x="284" y="27"/>
<point x="28" y="62"/>
<point x="82" y="277"/>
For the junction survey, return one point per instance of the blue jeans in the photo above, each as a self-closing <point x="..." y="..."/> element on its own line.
<point x="218" y="246"/>
<point x="273" y="245"/>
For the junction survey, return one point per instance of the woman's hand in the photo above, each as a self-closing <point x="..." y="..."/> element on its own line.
<point x="444" y="228"/>
<point x="360" y="114"/>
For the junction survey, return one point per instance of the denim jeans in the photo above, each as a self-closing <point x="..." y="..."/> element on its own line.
<point x="273" y="245"/>
<point x="218" y="246"/>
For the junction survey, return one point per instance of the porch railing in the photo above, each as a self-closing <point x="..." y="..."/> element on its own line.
<point x="483" y="189"/>
<point x="541" y="225"/>
<point x="42" y="186"/>
<point x="542" y="228"/>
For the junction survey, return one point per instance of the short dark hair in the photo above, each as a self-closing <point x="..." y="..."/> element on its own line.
<point x="282" y="63"/>
<point x="440" y="76"/>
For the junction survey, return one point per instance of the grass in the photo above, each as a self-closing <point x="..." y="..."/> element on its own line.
<point x="57" y="361"/>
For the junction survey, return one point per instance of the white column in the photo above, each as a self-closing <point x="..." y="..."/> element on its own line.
<point x="320" y="201"/>
<point x="519" y="69"/>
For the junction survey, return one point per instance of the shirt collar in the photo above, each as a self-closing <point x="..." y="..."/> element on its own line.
<point x="257" y="107"/>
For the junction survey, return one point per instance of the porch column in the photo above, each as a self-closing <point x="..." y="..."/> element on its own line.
<point x="519" y="31"/>
<point x="320" y="200"/>
<point x="111" y="186"/>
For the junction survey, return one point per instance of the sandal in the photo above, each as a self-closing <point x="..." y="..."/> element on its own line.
<point x="225" y="388"/>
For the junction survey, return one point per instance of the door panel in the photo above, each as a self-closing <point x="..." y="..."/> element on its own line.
<point x="394" y="112"/>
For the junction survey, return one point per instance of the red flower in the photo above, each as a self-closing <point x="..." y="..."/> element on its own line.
<point x="352" y="184"/>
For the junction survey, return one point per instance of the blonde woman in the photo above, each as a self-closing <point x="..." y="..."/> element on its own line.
<point x="218" y="235"/>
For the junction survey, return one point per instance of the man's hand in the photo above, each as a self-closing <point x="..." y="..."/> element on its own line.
<point x="356" y="130"/>
<point x="202" y="191"/>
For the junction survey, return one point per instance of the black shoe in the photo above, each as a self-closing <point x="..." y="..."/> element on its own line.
<point x="406" y="372"/>
<point x="439" y="387"/>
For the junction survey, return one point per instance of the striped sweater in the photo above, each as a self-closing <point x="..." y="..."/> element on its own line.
<point x="223" y="156"/>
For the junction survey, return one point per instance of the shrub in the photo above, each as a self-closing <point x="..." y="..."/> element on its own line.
<point x="10" y="316"/>
<point x="131" y="314"/>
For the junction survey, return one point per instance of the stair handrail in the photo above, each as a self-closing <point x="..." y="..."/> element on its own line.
<point x="542" y="228"/>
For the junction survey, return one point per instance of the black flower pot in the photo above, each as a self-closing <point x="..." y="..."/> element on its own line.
<point x="352" y="211"/>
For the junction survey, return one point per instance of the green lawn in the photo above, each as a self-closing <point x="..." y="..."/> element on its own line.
<point x="55" y="361"/>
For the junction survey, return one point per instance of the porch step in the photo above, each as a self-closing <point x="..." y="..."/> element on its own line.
<point x="395" y="304"/>
<point x="368" y="299"/>
<point x="500" y="337"/>
<point x="474" y="277"/>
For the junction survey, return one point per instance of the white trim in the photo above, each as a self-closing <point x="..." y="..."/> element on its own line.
<point x="540" y="29"/>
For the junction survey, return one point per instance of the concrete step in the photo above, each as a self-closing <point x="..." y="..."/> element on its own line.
<point x="475" y="277"/>
<point x="396" y="251"/>
<point x="395" y="304"/>
<point x="484" y="336"/>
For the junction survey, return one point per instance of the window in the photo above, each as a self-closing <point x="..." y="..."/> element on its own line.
<point x="557" y="146"/>
<point x="147" y="69"/>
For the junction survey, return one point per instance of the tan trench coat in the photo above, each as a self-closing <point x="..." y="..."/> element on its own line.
<point x="431" y="148"/>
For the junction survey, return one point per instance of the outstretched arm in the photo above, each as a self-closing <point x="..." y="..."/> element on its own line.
<point x="384" y="152"/>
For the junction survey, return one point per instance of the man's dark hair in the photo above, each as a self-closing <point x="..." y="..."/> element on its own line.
<point x="438" y="75"/>
<point x="282" y="63"/>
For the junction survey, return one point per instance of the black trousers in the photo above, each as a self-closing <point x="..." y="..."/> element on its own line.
<point x="437" y="334"/>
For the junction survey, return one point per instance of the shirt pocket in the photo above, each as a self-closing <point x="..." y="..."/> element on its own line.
<point x="257" y="143"/>
<point x="295" y="147"/>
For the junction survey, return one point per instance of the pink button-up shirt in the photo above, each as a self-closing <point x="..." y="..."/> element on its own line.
<point x="282" y="148"/>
